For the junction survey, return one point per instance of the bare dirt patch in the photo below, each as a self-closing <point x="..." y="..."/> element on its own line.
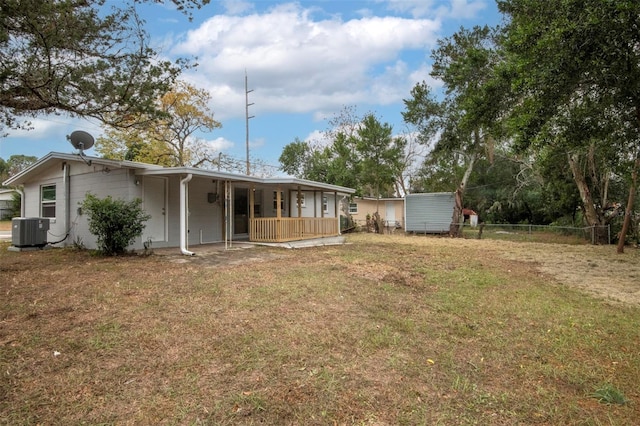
<point x="598" y="270"/>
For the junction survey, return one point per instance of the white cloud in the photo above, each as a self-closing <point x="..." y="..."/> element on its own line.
<point x="46" y="134"/>
<point x="423" y="74"/>
<point x="237" y="7"/>
<point x="466" y="9"/>
<point x="256" y="142"/>
<point x="296" y="64"/>
<point x="219" y="144"/>
<point x="417" y="8"/>
<point x="54" y="129"/>
<point x="317" y="137"/>
<point x="40" y="128"/>
<point x="459" y="9"/>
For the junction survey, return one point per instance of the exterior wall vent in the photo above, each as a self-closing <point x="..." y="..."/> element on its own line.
<point x="29" y="231"/>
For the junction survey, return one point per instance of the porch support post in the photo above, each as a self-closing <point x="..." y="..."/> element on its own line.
<point x="320" y="224"/>
<point x="278" y="214"/>
<point x="228" y="234"/>
<point x="184" y="205"/>
<point x="315" y="203"/>
<point x="336" y="209"/>
<point x="300" y="227"/>
<point x="252" y="201"/>
<point x="318" y="228"/>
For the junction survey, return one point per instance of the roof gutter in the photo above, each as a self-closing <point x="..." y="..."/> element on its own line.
<point x="183" y="214"/>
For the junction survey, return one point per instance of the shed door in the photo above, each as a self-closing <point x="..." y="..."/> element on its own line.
<point x="155" y="203"/>
<point x="390" y="213"/>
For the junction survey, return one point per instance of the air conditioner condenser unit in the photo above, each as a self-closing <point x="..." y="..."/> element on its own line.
<point x="29" y="231"/>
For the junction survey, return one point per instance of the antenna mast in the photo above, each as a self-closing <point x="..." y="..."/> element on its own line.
<point x="247" y="117"/>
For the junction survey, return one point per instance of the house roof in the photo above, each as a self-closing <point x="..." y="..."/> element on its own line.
<point x="380" y="199"/>
<point x="155" y="170"/>
<point x="6" y="194"/>
<point x="52" y="157"/>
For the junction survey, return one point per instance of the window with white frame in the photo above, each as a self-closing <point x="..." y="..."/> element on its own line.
<point x="300" y="200"/>
<point x="275" y="200"/>
<point x="48" y="201"/>
<point x="325" y="204"/>
<point x="353" y="208"/>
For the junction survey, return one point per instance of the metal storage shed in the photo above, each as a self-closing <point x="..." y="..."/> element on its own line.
<point x="428" y="212"/>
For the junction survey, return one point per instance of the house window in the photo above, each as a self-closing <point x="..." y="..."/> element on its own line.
<point x="325" y="204"/>
<point x="275" y="200"/>
<point x="48" y="201"/>
<point x="300" y="200"/>
<point x="353" y="208"/>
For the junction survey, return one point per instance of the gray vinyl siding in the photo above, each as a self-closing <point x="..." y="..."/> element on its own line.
<point x="101" y="182"/>
<point x="429" y="213"/>
<point x="269" y="211"/>
<point x="84" y="179"/>
<point x="312" y="204"/>
<point x="205" y="218"/>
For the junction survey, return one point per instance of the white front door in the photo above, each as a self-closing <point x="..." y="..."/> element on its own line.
<point x="390" y="213"/>
<point x="154" y="202"/>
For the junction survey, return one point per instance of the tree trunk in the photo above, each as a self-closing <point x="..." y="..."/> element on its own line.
<point x="455" y="229"/>
<point x="590" y="212"/>
<point x="629" y="209"/>
<point x="401" y="189"/>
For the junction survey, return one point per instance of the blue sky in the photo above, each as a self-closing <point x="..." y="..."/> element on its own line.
<point x="305" y="61"/>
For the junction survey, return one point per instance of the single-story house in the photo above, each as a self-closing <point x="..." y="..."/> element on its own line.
<point x="391" y="210"/>
<point x="6" y="203"/>
<point x="188" y="206"/>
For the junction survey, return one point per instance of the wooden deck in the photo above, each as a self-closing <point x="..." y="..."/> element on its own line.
<point x="278" y="230"/>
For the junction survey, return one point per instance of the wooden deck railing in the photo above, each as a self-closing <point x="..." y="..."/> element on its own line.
<point x="274" y="230"/>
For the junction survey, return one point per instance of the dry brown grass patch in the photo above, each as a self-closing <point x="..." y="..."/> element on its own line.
<point x="383" y="330"/>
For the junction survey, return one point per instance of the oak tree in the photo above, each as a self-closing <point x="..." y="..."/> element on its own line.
<point x="574" y="67"/>
<point x="81" y="58"/>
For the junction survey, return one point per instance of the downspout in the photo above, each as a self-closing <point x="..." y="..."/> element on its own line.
<point x="67" y="197"/>
<point x="21" y="192"/>
<point x="183" y="215"/>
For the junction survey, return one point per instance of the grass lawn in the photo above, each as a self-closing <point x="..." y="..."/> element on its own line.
<point x="386" y="330"/>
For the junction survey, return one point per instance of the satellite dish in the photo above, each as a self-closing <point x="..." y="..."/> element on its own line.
<point x="80" y="140"/>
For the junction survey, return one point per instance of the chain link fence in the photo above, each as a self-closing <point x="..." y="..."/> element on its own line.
<point x="511" y="232"/>
<point x="540" y="233"/>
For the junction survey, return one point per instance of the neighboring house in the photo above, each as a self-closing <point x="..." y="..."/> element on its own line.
<point x="429" y="212"/>
<point x="6" y="203"/>
<point x="391" y="210"/>
<point x="188" y="206"/>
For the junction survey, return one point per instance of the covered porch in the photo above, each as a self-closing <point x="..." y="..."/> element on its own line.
<point x="279" y="230"/>
<point x="305" y="212"/>
<point x="203" y="207"/>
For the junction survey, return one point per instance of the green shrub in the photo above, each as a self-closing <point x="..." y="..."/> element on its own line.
<point x="115" y="223"/>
